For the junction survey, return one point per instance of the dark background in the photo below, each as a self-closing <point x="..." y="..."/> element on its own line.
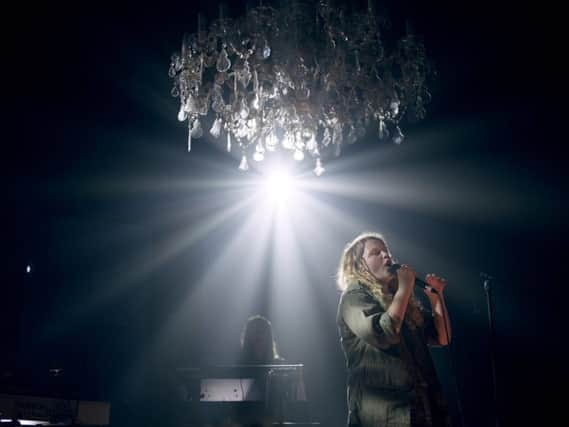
<point x="91" y="142"/>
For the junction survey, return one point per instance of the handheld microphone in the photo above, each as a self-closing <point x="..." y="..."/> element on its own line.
<point x="418" y="282"/>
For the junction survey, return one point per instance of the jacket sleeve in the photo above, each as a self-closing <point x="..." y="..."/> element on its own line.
<point x="367" y="319"/>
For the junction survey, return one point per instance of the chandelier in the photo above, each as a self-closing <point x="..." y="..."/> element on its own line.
<point x="304" y="79"/>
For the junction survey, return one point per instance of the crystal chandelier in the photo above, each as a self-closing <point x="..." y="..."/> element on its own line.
<point x="304" y="79"/>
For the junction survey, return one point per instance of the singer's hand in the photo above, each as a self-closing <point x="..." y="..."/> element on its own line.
<point x="435" y="282"/>
<point x="406" y="278"/>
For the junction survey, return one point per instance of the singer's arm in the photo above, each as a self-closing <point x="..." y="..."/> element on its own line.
<point x="439" y="310"/>
<point x="398" y="307"/>
<point x="366" y="319"/>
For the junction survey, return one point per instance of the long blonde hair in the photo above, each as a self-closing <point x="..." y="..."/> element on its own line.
<point x="353" y="269"/>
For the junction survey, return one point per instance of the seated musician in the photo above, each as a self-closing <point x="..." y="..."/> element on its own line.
<point x="259" y="347"/>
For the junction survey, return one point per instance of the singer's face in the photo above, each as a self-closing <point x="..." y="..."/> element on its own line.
<point x="378" y="259"/>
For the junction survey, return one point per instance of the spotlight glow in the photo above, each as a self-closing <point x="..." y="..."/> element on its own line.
<point x="279" y="187"/>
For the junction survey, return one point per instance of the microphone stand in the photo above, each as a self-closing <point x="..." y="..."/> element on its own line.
<point x="450" y="348"/>
<point x="488" y="289"/>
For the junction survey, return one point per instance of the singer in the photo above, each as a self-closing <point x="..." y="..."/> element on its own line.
<point x="385" y="333"/>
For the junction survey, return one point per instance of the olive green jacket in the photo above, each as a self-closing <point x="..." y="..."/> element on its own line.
<point x="392" y="381"/>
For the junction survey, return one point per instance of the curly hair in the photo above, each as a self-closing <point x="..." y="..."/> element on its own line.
<point x="353" y="269"/>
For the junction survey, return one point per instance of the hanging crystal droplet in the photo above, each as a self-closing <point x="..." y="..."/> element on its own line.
<point x="352" y="137"/>
<point x="245" y="74"/>
<point x="304" y="92"/>
<point x="190" y="105"/>
<point x="319" y="169"/>
<point x="256" y="82"/>
<point x="398" y="136"/>
<point x="244" y="111"/>
<point x="311" y="144"/>
<point x="383" y="132"/>
<point x="266" y="51"/>
<point x="228" y="142"/>
<point x="203" y="107"/>
<point x="338" y="150"/>
<point x="337" y="139"/>
<point x="327" y="138"/>
<point x="182" y="115"/>
<point x="223" y="62"/>
<point x="244" y="165"/>
<point x="256" y="104"/>
<point x="307" y="134"/>
<point x="252" y="125"/>
<point x="215" y="130"/>
<point x="259" y="153"/>
<point x="189" y="139"/>
<point x="288" y="141"/>
<point x="217" y="105"/>
<point x="197" y="131"/>
<point x="298" y="155"/>
<point x="394" y="108"/>
<point x="298" y="141"/>
<point x="272" y="142"/>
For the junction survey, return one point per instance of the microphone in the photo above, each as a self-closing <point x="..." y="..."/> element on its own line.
<point x="418" y="282"/>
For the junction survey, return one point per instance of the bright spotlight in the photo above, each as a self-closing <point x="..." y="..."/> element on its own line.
<point x="278" y="187"/>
